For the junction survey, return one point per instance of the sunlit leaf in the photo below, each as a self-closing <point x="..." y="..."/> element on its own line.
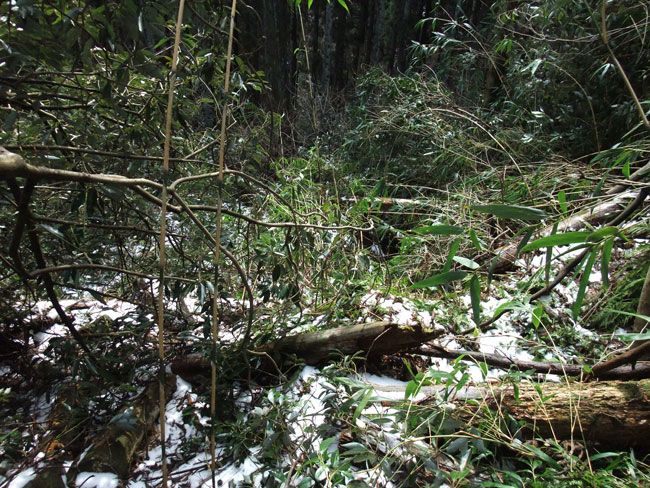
<point x="561" y="198"/>
<point x="584" y="281"/>
<point x="439" y="230"/>
<point x="439" y="279"/>
<point x="512" y="211"/>
<point x="558" y="240"/>
<point x="475" y="294"/>
<point x="467" y="262"/>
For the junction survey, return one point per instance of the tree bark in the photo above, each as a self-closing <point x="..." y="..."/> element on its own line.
<point x="371" y="340"/>
<point x="613" y="414"/>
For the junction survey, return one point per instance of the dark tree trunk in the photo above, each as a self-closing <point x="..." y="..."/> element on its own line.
<point x="340" y="73"/>
<point x="370" y="31"/>
<point x="360" y="39"/>
<point x="316" y="61"/>
<point x="328" y="39"/>
<point x="378" y="33"/>
<point x="267" y="37"/>
<point x="406" y="32"/>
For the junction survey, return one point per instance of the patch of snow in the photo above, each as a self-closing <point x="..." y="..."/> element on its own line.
<point x="22" y="478"/>
<point x="399" y="310"/>
<point x="97" y="480"/>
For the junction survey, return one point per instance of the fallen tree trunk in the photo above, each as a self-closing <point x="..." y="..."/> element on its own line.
<point x="371" y="340"/>
<point x="610" y="413"/>
<point x="116" y="447"/>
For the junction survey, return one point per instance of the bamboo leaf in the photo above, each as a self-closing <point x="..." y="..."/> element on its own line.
<point x="558" y="240"/>
<point x="439" y="230"/>
<point x="475" y="294"/>
<point x="512" y="211"/>
<point x="605" y="257"/>
<point x="452" y="252"/>
<point x="561" y="198"/>
<point x="584" y="281"/>
<point x="475" y="241"/>
<point x="467" y="262"/>
<point x="439" y="279"/>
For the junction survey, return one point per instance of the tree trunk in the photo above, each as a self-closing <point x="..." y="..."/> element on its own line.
<point x="378" y="33"/>
<point x="611" y="413"/>
<point x="116" y="447"/>
<point x="327" y="47"/>
<point x="371" y="340"/>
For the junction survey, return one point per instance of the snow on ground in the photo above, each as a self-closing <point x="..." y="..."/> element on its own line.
<point x="306" y="397"/>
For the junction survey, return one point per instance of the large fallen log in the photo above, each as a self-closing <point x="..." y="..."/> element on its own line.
<point x="610" y="413"/>
<point x="371" y="340"/>
<point x="116" y="446"/>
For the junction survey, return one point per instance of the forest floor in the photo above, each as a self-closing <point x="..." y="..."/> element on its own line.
<point x="307" y="408"/>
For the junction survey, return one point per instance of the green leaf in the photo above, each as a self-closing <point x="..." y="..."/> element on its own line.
<point x="475" y="241"/>
<point x="439" y="230"/>
<point x="542" y="455"/>
<point x="475" y="294"/>
<point x="512" y="305"/>
<point x="631" y="314"/>
<point x="558" y="240"/>
<point x="439" y="279"/>
<point x="561" y="198"/>
<point x="97" y="296"/>
<point x="452" y="252"/>
<point x="605" y="257"/>
<point x="326" y="443"/>
<point x="626" y="169"/>
<point x="641" y="336"/>
<point x="511" y="211"/>
<point x="600" y="234"/>
<point x="344" y="5"/>
<point x="584" y="281"/>
<point x="526" y="239"/>
<point x="362" y="404"/>
<point x="536" y="316"/>
<point x="467" y="262"/>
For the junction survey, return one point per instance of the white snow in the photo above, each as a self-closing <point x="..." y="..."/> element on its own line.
<point x="22" y="478"/>
<point x="97" y="480"/>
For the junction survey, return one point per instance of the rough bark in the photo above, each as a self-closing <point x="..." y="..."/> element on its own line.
<point x="371" y="340"/>
<point x="613" y="414"/>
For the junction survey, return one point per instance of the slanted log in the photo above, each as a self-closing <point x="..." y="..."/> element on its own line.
<point x="636" y="371"/>
<point x="116" y="447"/>
<point x="371" y="340"/>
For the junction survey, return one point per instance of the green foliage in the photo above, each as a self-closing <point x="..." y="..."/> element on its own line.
<point x="403" y="129"/>
<point x="544" y="67"/>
